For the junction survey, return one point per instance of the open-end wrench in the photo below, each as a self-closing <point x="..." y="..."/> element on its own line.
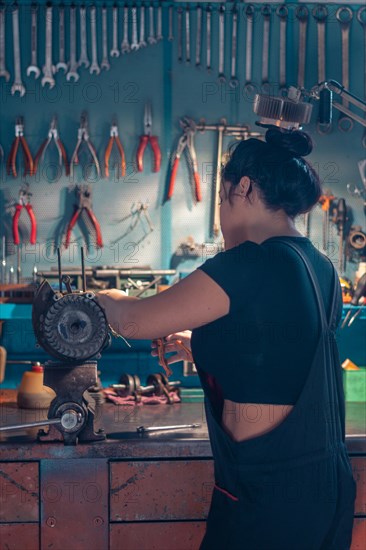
<point x="170" y="33"/>
<point x="249" y="13"/>
<point x="61" y="40"/>
<point x="105" y="62"/>
<point x="320" y="14"/>
<point x="302" y="15"/>
<point x="198" y="37"/>
<point x="3" y="72"/>
<point x="188" y="34"/>
<point x="125" y="45"/>
<point x="208" y="38"/>
<point x="180" y="34"/>
<point x="222" y="78"/>
<point x="151" y="38"/>
<point x="48" y="68"/>
<point x="282" y="12"/>
<point x="83" y="59"/>
<point x="266" y="14"/>
<point x="134" y="39"/>
<point x="344" y="16"/>
<point x="234" y="82"/>
<point x="18" y="85"/>
<point x="159" y="24"/>
<point x="115" y="51"/>
<point x="142" y="42"/>
<point x="73" y="68"/>
<point x="33" y="67"/>
<point x="94" y="67"/>
<point x="361" y="18"/>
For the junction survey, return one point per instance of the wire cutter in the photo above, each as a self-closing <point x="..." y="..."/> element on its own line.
<point x="24" y="202"/>
<point x="84" y="203"/>
<point x="52" y="133"/>
<point x="114" y="138"/>
<point x="83" y="136"/>
<point x="11" y="166"/>
<point x="186" y="144"/>
<point x="145" y="139"/>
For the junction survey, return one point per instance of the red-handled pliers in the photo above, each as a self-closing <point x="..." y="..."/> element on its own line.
<point x="114" y="138"/>
<point x="24" y="202"/>
<point x="84" y="202"/>
<point x="186" y="144"/>
<point x="52" y="133"/>
<point x="145" y="139"/>
<point x="11" y="163"/>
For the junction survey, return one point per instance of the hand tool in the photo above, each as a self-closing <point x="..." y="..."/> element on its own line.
<point x="33" y="67"/>
<point x="134" y="40"/>
<point x="302" y="15"/>
<point x="61" y="40"/>
<point x="114" y="138"/>
<point x="361" y="18"/>
<point x="115" y="51"/>
<point x="157" y="384"/>
<point x="208" y="38"/>
<point x="3" y="277"/>
<point x="151" y="38"/>
<point x="148" y="138"/>
<point x="142" y="42"/>
<point x="18" y="84"/>
<point x="84" y="204"/>
<point x="35" y="424"/>
<point x="355" y="190"/>
<point x="62" y="157"/>
<point x="344" y="16"/>
<point x="234" y="82"/>
<point x="3" y="72"/>
<point x="170" y="33"/>
<point x="180" y="33"/>
<point x="136" y="216"/>
<point x="198" y="36"/>
<point x="222" y="78"/>
<point x="159" y="24"/>
<point x="249" y="13"/>
<point x="73" y="67"/>
<point x="83" y="59"/>
<point x="48" y="68"/>
<point x="307" y="224"/>
<point x="340" y="218"/>
<point x="326" y="203"/>
<point x="94" y="67"/>
<point x="142" y="429"/>
<point x="187" y="19"/>
<point x="186" y="144"/>
<point x="360" y="292"/>
<point x="161" y="355"/>
<point x="125" y="45"/>
<point x="282" y="12"/>
<point x="83" y="137"/>
<point x="28" y="159"/>
<point x="24" y="202"/>
<point x="266" y="14"/>
<point x="105" y="63"/>
<point x="320" y="14"/>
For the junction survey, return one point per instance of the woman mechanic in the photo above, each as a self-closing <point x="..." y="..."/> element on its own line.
<point x="260" y="318"/>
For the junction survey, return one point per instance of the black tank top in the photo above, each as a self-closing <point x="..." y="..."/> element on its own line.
<point x="261" y="351"/>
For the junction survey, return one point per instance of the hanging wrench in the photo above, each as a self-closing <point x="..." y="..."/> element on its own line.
<point x="134" y="41"/>
<point x="3" y="72"/>
<point x="94" y="67"/>
<point x="361" y="17"/>
<point x="61" y="40"/>
<point x="171" y="35"/>
<point x="208" y="38"/>
<point x="83" y="59"/>
<point x="344" y="16"/>
<point x="105" y="63"/>
<point x="33" y="67"/>
<point x="282" y="12"/>
<point x="48" y="68"/>
<point x="18" y="84"/>
<point x="115" y="51"/>
<point x="73" y="68"/>
<point x="125" y="45"/>
<point x="249" y="13"/>
<point x="233" y="82"/>
<point x="159" y="25"/>
<point x="222" y="78"/>
<point x="266" y="14"/>
<point x="180" y="34"/>
<point x="151" y="38"/>
<point x="188" y="34"/>
<point x="142" y="42"/>
<point x="198" y="37"/>
<point x="320" y="14"/>
<point x="302" y="15"/>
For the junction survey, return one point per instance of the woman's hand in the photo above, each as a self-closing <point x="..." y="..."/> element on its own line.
<point x="180" y="343"/>
<point x="111" y="302"/>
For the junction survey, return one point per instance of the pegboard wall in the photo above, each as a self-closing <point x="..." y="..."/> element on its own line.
<point x="174" y="88"/>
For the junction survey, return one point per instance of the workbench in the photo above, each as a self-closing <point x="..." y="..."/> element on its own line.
<point x="129" y="492"/>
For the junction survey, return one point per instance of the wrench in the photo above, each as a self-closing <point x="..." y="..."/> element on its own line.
<point x="249" y="12"/>
<point x="115" y="51"/>
<point x="320" y="14"/>
<point x="18" y="84"/>
<point x="159" y="26"/>
<point x="33" y="67"/>
<point x="188" y="34"/>
<point x="142" y="42"/>
<point x="83" y="59"/>
<point x="233" y="82"/>
<point x="361" y="17"/>
<point x="94" y="67"/>
<point x="61" y="40"/>
<point x="170" y="35"/>
<point x="151" y="38"/>
<point x="180" y="34"/>
<point x="48" y="68"/>
<point x="208" y="38"/>
<point x="198" y="37"/>
<point x="73" y="68"/>
<point x="344" y="16"/>
<point x="222" y="78"/>
<point x="3" y="72"/>
<point x="282" y="12"/>
<point x="105" y="63"/>
<point x="125" y="45"/>
<point x="134" y="41"/>
<point x="302" y="15"/>
<point x="266" y="14"/>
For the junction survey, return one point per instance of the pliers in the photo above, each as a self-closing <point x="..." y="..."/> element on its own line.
<point x="11" y="166"/>
<point x="52" y="133"/>
<point x="114" y="138"/>
<point x="186" y="144"/>
<point x="83" y="136"/>
<point x="24" y="202"/>
<point x="145" y="139"/>
<point x="84" y="203"/>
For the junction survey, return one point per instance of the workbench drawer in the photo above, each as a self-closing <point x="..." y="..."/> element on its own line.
<point x="160" y="490"/>
<point x="359" y="534"/>
<point x="14" y="536"/>
<point x="186" y="535"/>
<point x="19" y="492"/>
<point x="359" y="474"/>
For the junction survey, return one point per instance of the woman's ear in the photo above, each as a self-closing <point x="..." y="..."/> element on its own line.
<point x="244" y="185"/>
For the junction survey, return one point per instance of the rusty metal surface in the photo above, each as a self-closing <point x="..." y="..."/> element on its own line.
<point x="16" y="536"/>
<point x="156" y="536"/>
<point x="164" y="490"/>
<point x="74" y="504"/>
<point x="359" y="534"/>
<point x="19" y="491"/>
<point x="359" y="474"/>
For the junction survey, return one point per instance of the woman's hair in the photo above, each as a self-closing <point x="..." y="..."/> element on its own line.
<point x="285" y="180"/>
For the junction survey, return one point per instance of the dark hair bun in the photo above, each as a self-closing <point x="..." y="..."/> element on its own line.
<point x="297" y="143"/>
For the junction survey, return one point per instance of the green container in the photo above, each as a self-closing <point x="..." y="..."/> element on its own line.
<point x="354" y="382"/>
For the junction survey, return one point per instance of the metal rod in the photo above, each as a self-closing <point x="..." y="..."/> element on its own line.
<point x="152" y="283"/>
<point x="46" y="422"/>
<point x="83" y="276"/>
<point x="142" y="429"/>
<point x="59" y="268"/>
<point x="19" y="270"/>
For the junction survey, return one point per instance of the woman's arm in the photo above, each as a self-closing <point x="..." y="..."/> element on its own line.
<point x="196" y="300"/>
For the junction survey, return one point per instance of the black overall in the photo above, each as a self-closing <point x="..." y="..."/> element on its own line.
<point x="292" y="487"/>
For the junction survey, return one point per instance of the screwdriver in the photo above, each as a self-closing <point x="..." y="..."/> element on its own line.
<point x="142" y="429"/>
